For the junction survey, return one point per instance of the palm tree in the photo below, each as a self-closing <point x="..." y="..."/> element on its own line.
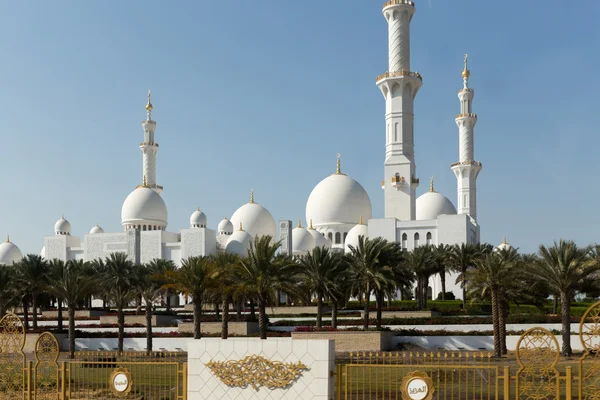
<point x="263" y="273"/>
<point x="56" y="268"/>
<point x="69" y="283"/>
<point x="565" y="267"/>
<point x="463" y="257"/>
<point x="441" y="257"/>
<point x="98" y="268"/>
<point x="225" y="288"/>
<point x="487" y="279"/>
<point x="119" y="278"/>
<point x="194" y="278"/>
<point x="421" y="262"/>
<point x="8" y="292"/>
<point x="32" y="277"/>
<point x="149" y="287"/>
<point x="319" y="270"/>
<point x="372" y="263"/>
<point x="163" y="268"/>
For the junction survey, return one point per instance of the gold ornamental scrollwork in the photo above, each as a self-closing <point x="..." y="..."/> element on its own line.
<point x="46" y="367"/>
<point x="537" y="354"/>
<point x="12" y="358"/>
<point x="417" y="386"/>
<point x="256" y="371"/>
<point x="589" y="371"/>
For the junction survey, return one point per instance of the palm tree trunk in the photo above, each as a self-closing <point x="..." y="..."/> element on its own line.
<point x="148" y="326"/>
<point x="334" y="312"/>
<point x="60" y="315"/>
<point x="495" y="322"/>
<point x="71" y="311"/>
<point x="217" y="314"/>
<point x="565" y="313"/>
<point x="379" y="300"/>
<point x="443" y="279"/>
<point x="25" y="313"/>
<point x="262" y="318"/>
<point x="197" y="317"/>
<point x="34" y="311"/>
<point x="319" y="309"/>
<point x="2" y="310"/>
<point x="424" y="292"/>
<point x="278" y="298"/>
<point x="502" y="317"/>
<point x="225" y="318"/>
<point x="168" y="300"/>
<point x="555" y="305"/>
<point x="238" y="310"/>
<point x="121" y="322"/>
<point x="366" y="307"/>
<point x="252" y="311"/>
<point x="464" y="287"/>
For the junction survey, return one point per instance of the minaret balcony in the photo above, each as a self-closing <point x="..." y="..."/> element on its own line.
<point x="466" y="115"/>
<point x="398" y="181"/>
<point x="466" y="163"/>
<point x="398" y="3"/>
<point x="148" y="144"/>
<point x="396" y="74"/>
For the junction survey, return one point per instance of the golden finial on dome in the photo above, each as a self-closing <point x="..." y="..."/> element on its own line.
<point x="431" y="185"/>
<point x="338" y="170"/>
<point x="149" y="105"/>
<point x="241" y="227"/>
<point x="310" y="227"/>
<point x="252" y="195"/>
<point x="505" y="242"/>
<point x="466" y="73"/>
<point x="7" y="238"/>
<point x="299" y="224"/>
<point x="360" y="221"/>
<point x="145" y="183"/>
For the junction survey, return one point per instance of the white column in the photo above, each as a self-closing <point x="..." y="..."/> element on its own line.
<point x="399" y="87"/>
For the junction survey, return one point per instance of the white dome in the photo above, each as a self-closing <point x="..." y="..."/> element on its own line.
<point x="432" y="204"/>
<point x="9" y="253"/>
<point x="320" y="239"/>
<point x="62" y="227"/>
<point x="96" y="229"/>
<point x="257" y="221"/>
<point x="225" y="227"/>
<point x="198" y="219"/>
<point x="238" y="243"/>
<point x="354" y="234"/>
<point x="144" y="206"/>
<point x="504" y="246"/>
<point x="337" y="199"/>
<point x="302" y="240"/>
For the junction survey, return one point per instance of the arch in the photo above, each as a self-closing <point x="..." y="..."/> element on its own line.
<point x="417" y="237"/>
<point x="330" y="236"/>
<point x="428" y="238"/>
<point x="338" y="238"/>
<point x="396" y="125"/>
<point x="345" y="234"/>
<point x="404" y="241"/>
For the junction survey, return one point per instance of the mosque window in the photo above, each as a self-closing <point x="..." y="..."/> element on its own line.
<point x="417" y="237"/>
<point x="338" y="238"/>
<point x="404" y="241"/>
<point x="345" y="234"/>
<point x="428" y="238"/>
<point x="330" y="236"/>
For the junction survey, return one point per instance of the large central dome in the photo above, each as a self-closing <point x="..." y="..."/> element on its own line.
<point x="338" y="199"/>
<point x="255" y="219"/>
<point x="144" y="209"/>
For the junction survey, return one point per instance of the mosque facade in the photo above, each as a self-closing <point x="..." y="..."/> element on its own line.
<point x="338" y="210"/>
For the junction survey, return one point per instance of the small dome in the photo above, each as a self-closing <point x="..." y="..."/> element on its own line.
<point x="320" y="239"/>
<point x="198" y="219"/>
<point x="353" y="235"/>
<point x="504" y="245"/>
<point x="432" y="204"/>
<point x="302" y="240"/>
<point x="238" y="243"/>
<point x="96" y="229"/>
<point x="43" y="252"/>
<point x="9" y="253"/>
<point x="62" y="227"/>
<point x="337" y="199"/>
<point x="257" y="221"/>
<point x="225" y="227"/>
<point x="144" y="206"/>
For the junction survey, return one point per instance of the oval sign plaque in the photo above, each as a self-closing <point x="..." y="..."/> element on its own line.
<point x="120" y="382"/>
<point x="417" y="386"/>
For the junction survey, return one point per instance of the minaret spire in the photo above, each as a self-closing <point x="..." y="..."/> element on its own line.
<point x="399" y="86"/>
<point x="466" y="169"/>
<point x="149" y="149"/>
<point x="338" y="169"/>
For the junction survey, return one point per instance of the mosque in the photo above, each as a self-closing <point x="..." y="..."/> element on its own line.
<point x="338" y="209"/>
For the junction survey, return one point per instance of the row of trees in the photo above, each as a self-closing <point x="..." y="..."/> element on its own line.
<point x="375" y="268"/>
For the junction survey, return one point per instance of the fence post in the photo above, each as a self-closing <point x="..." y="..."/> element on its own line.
<point x="63" y="380"/>
<point x="507" y="382"/>
<point x="569" y="385"/>
<point x="30" y="383"/>
<point x="185" y="380"/>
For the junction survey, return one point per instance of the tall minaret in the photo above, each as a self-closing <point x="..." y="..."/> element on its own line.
<point x="399" y="87"/>
<point x="466" y="169"/>
<point x="149" y="149"/>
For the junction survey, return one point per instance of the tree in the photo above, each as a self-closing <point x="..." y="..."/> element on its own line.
<point x="319" y="269"/>
<point x="372" y="268"/>
<point x="163" y="268"/>
<point x="149" y="286"/>
<point x="565" y="267"/>
<point x="69" y="283"/>
<point x="421" y="262"/>
<point x="463" y="257"/>
<point x="119" y="278"/>
<point x="194" y="278"/>
<point x="263" y="273"/>
<point x="8" y="292"/>
<point x="225" y="288"/>
<point x="56" y="268"/>
<point x="441" y="258"/>
<point x="32" y="277"/>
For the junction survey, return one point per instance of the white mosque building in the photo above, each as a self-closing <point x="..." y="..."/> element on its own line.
<point x="338" y="209"/>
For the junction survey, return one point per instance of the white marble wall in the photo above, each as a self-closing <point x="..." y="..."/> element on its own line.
<point x="315" y="382"/>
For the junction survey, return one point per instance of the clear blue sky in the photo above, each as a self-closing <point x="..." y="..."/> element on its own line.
<point x="263" y="94"/>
